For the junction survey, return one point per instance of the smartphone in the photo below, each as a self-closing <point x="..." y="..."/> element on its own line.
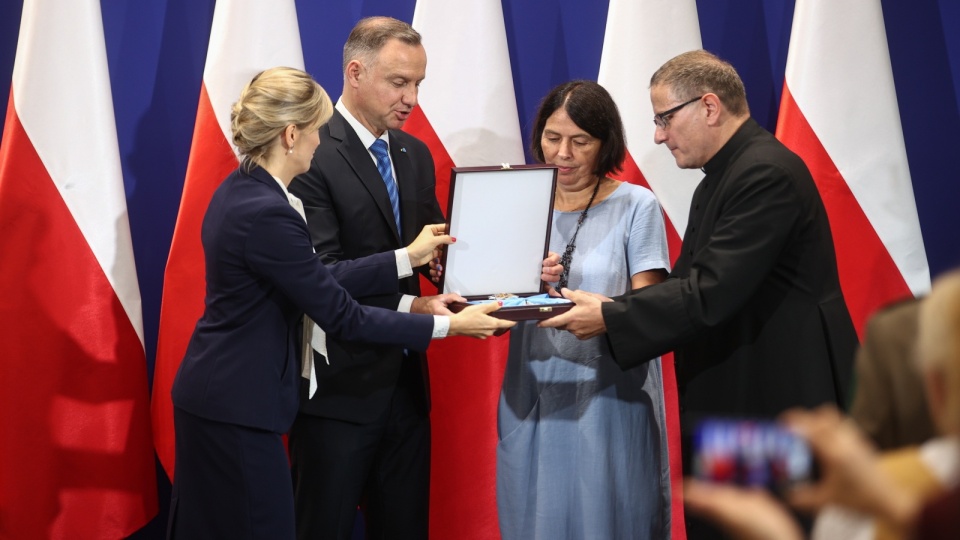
<point x="756" y="453"/>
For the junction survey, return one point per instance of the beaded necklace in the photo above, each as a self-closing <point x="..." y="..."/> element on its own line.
<point x="572" y="244"/>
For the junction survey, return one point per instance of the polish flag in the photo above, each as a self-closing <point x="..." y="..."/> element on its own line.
<point x="839" y="113"/>
<point x="468" y="117"/>
<point x="640" y="36"/>
<point x="75" y="451"/>
<point x="247" y="37"/>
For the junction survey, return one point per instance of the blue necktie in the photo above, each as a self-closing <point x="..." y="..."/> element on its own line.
<point x="379" y="149"/>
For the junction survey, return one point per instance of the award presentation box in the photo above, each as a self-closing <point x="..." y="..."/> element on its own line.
<point x="501" y="218"/>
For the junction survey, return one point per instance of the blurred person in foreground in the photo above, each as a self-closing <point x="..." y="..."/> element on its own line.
<point x="909" y="493"/>
<point x="889" y="401"/>
<point x="582" y="450"/>
<point x="236" y="391"/>
<point x="926" y="470"/>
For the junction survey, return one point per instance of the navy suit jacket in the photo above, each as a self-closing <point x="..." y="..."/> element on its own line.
<point x="242" y="364"/>
<point x="349" y="215"/>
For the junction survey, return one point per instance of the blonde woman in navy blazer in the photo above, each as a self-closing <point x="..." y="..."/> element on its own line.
<point x="236" y="391"/>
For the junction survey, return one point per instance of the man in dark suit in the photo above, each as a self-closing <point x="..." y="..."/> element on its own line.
<point x="364" y="437"/>
<point x="753" y="308"/>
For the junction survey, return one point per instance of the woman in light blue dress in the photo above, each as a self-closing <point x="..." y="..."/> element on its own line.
<point x="582" y="451"/>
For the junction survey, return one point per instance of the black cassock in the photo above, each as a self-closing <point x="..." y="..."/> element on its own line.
<point x="753" y="308"/>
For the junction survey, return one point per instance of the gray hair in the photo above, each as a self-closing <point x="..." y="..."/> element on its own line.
<point x="698" y="72"/>
<point x="371" y="34"/>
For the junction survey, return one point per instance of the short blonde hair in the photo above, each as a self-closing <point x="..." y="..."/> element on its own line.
<point x="274" y="99"/>
<point x="938" y="342"/>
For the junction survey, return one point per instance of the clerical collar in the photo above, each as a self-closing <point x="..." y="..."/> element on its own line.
<point x="720" y="160"/>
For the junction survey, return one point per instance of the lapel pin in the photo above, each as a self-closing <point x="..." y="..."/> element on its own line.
<point x="403" y="149"/>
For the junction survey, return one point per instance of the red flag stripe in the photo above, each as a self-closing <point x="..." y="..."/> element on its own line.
<point x="868" y="275"/>
<point x="630" y="172"/>
<point x="76" y="459"/>
<point x="463" y="422"/>
<point x="468" y="61"/>
<point x="641" y="35"/>
<point x="671" y="398"/>
<point x="246" y="37"/>
<point x="418" y="125"/>
<point x="464" y="436"/>
<point x="211" y="160"/>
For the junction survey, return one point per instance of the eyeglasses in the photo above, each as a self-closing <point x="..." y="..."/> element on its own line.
<point x="662" y="120"/>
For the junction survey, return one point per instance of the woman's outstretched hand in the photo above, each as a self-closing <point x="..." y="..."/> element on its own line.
<point x="474" y="321"/>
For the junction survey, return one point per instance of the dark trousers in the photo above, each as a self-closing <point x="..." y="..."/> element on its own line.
<point x="383" y="466"/>
<point x="229" y="481"/>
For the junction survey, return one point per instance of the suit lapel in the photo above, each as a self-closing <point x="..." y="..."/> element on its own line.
<point x="359" y="160"/>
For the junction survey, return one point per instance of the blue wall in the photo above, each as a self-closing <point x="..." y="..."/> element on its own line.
<point x="156" y="51"/>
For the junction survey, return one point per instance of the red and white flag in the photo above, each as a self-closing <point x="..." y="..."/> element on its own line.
<point x="468" y="63"/>
<point x="247" y="37"/>
<point x="76" y="458"/>
<point x="839" y="113"/>
<point x="640" y="36"/>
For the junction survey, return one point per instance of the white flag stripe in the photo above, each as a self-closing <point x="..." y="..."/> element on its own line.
<point x="234" y="56"/>
<point x="640" y="36"/>
<point x="839" y="73"/>
<point x="60" y="82"/>
<point x="468" y="95"/>
<point x="469" y="105"/>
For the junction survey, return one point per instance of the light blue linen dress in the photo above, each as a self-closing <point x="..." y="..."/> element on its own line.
<point x="583" y="449"/>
